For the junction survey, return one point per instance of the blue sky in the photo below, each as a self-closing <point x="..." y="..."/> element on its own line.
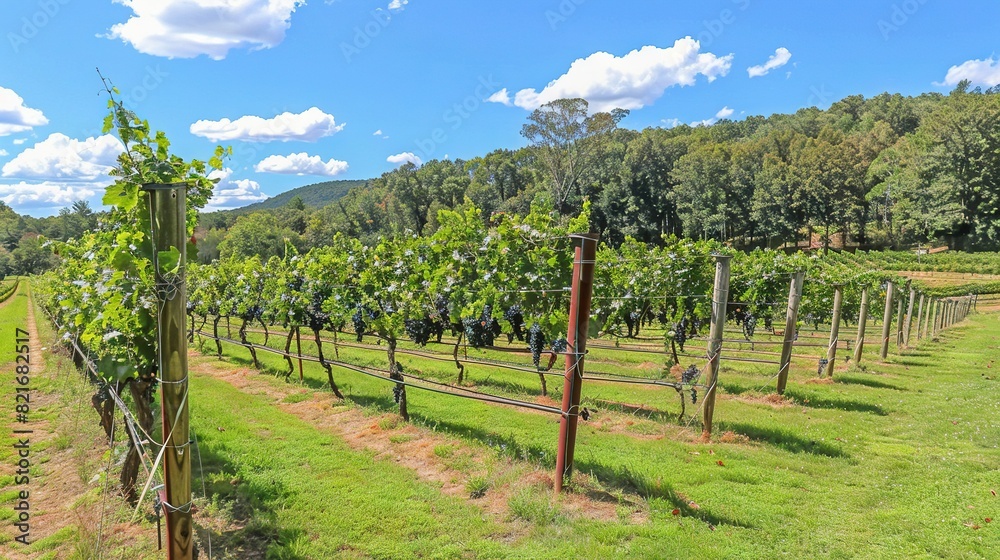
<point x="348" y="89"/>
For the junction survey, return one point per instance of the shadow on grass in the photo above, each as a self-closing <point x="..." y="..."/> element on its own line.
<point x="783" y="439"/>
<point x="508" y="387"/>
<point x="867" y="382"/>
<point x="252" y="504"/>
<point x="625" y="478"/>
<point x="833" y="403"/>
<point x="505" y="444"/>
<point x="636" y="410"/>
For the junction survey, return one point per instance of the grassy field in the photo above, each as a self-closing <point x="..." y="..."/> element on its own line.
<point x="889" y="460"/>
<point x="70" y="517"/>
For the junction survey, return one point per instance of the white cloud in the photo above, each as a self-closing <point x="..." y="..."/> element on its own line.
<point x="189" y="28"/>
<point x="780" y="58"/>
<point x="632" y="81"/>
<point x="307" y="126"/>
<point x="724" y="113"/>
<point x="64" y="159"/>
<point x="232" y="193"/>
<point x="377" y="132"/>
<point x="58" y="171"/>
<point x="502" y="97"/>
<point x="671" y="123"/>
<point x="19" y="141"/>
<point x="405" y="157"/>
<point x="15" y="116"/>
<point x="398" y="5"/>
<point x="3" y="152"/>
<point x="22" y="196"/>
<point x="979" y="72"/>
<point x="301" y="164"/>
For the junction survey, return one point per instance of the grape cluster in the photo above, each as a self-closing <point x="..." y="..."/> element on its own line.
<point x="822" y="366"/>
<point x="749" y="325"/>
<point x="483" y="331"/>
<point x="694" y="395"/>
<point x="398" y="391"/>
<point x="536" y="341"/>
<point x="690" y="374"/>
<point x="768" y="323"/>
<point x="441" y="306"/>
<point x="420" y="330"/>
<point x="680" y="333"/>
<point x="560" y="345"/>
<point x="515" y="317"/>
<point x="360" y="326"/>
<point x="632" y="322"/>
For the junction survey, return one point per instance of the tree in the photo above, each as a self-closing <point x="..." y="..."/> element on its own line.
<point x="566" y="139"/>
<point x="702" y="177"/>
<point x="965" y="129"/>
<point x="30" y="257"/>
<point x="258" y="233"/>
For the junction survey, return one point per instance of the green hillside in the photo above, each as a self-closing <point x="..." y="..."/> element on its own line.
<point x="316" y="195"/>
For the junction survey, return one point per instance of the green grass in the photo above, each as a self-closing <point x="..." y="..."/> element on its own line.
<point x="892" y="461"/>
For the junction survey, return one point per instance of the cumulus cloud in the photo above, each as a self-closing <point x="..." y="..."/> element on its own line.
<point x="780" y="58"/>
<point x="45" y="197"/>
<point x="398" y="5"/>
<point x="671" y="123"/>
<point x="232" y="193"/>
<point x="58" y="171"/>
<point x="979" y="72"/>
<point x="632" y="81"/>
<point x="307" y="126"/>
<point x="405" y="157"/>
<point x="723" y="113"/>
<point x="64" y="159"/>
<point x="301" y="164"/>
<point x="15" y="116"/>
<point x="189" y="28"/>
<point x="19" y="141"/>
<point x="3" y="153"/>
<point x="502" y="97"/>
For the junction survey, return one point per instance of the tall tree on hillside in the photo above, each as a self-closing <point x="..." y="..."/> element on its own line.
<point x="702" y="178"/>
<point x="966" y="131"/>
<point x="639" y="204"/>
<point x="567" y="138"/>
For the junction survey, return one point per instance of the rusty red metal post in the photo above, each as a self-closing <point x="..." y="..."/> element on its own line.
<point x="585" y="251"/>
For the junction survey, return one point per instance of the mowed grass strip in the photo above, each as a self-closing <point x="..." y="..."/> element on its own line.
<point x="889" y="460"/>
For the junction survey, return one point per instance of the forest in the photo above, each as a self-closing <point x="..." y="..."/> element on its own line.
<point x="888" y="171"/>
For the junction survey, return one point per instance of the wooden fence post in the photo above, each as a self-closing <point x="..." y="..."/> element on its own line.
<point x="585" y="253"/>
<point x="720" y="299"/>
<point x="794" y="297"/>
<point x="886" y="321"/>
<point x="168" y="210"/>
<point x="920" y="315"/>
<point x="899" y="318"/>
<point x="831" y="352"/>
<point x="936" y="318"/>
<point x="909" y="318"/>
<point x="859" y="344"/>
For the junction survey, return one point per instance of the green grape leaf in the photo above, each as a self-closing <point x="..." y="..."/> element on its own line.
<point x="170" y="260"/>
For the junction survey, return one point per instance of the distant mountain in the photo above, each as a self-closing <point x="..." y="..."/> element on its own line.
<point x="316" y="195"/>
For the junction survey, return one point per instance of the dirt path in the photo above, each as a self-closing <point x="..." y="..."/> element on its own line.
<point x="63" y="457"/>
<point x="433" y="457"/>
